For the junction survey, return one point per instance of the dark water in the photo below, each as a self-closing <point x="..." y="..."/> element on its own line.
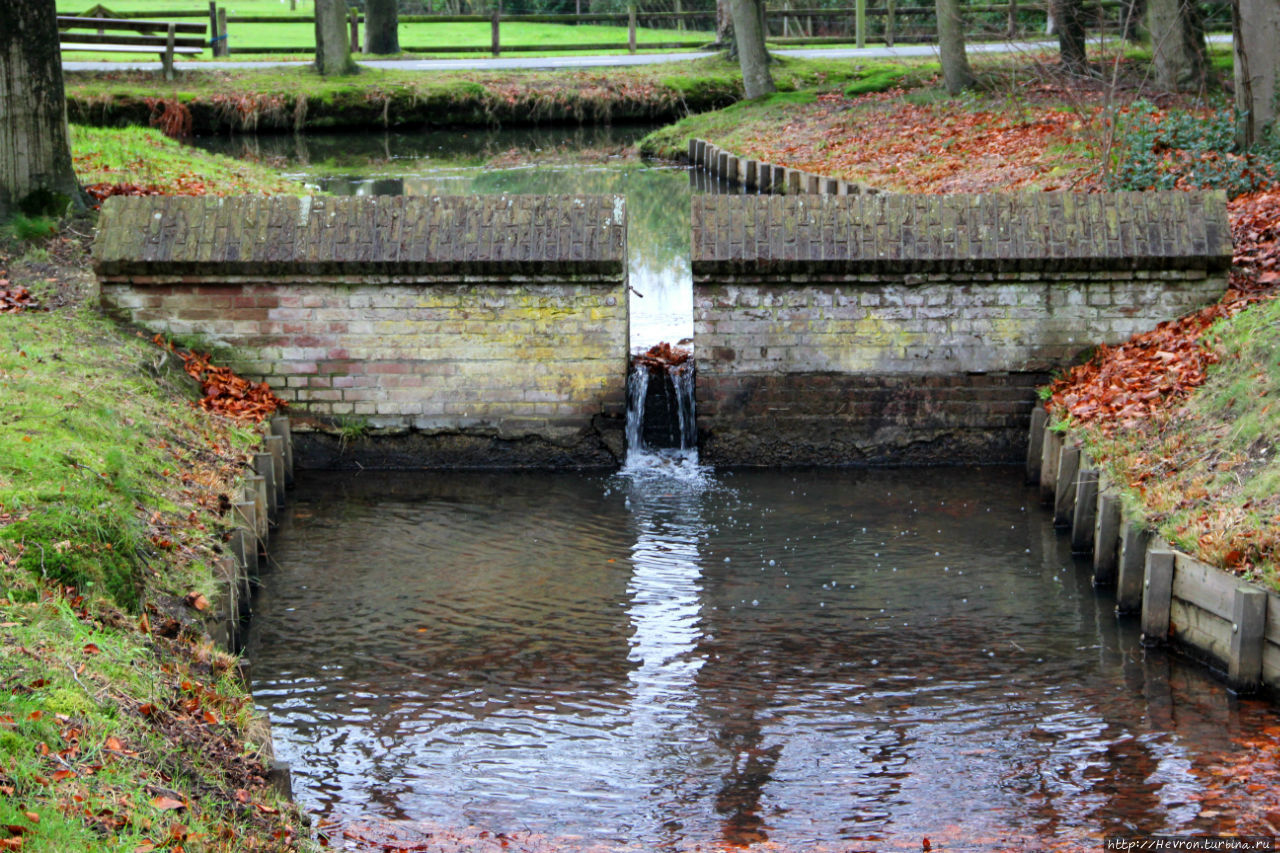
<point x="805" y="660"/>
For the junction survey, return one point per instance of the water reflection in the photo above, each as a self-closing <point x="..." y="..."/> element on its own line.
<point x="821" y="660"/>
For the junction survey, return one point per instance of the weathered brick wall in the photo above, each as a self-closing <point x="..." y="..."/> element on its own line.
<point x="915" y="328"/>
<point x="479" y="331"/>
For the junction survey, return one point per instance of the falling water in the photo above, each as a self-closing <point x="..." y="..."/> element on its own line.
<point x="661" y="427"/>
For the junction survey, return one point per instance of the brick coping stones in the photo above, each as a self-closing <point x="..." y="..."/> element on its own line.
<point x="371" y="235"/>
<point x="885" y="233"/>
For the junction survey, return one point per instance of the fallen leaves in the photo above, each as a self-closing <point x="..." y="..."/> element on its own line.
<point x="14" y="299"/>
<point x="224" y="391"/>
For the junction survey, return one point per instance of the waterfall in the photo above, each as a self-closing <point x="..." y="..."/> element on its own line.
<point x="661" y="423"/>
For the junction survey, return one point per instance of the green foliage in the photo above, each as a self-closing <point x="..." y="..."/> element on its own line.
<point x="29" y="229"/>
<point x="1158" y="150"/>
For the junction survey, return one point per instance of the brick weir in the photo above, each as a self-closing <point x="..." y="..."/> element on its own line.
<point x="472" y="332"/>
<point x="491" y="331"/>
<point x="891" y="329"/>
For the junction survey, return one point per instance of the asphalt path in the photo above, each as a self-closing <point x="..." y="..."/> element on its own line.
<point x="601" y="61"/>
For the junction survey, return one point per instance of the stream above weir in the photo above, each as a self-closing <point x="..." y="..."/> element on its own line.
<point x="816" y="659"/>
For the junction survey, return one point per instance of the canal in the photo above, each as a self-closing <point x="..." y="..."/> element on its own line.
<point x="676" y="658"/>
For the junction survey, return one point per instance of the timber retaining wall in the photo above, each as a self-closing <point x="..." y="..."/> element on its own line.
<point x="1215" y="616"/>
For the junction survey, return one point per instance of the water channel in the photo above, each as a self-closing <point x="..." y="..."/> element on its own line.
<point x="683" y="659"/>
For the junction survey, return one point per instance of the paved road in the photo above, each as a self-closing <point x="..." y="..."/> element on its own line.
<point x="610" y="60"/>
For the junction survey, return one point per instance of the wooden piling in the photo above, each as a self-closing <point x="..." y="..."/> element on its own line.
<point x="1248" y="627"/>
<point x="1157" y="596"/>
<point x="1131" y="569"/>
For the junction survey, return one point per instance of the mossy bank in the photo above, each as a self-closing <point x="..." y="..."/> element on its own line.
<point x="294" y="98"/>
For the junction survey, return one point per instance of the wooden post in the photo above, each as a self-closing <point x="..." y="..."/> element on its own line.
<point x="888" y="24"/>
<point x="265" y="465"/>
<point x="1013" y="19"/>
<point x="1132" y="568"/>
<point x="1106" y="540"/>
<point x="224" y="46"/>
<point x="213" y="27"/>
<point x="354" y="17"/>
<point x="167" y="59"/>
<point x="631" y="28"/>
<point x="1086" y="509"/>
<point x="1064" y="496"/>
<point x="860" y="22"/>
<point x="679" y="14"/>
<point x="496" y="47"/>
<point x="1049" y="464"/>
<point x="1157" y="596"/>
<point x="281" y="426"/>
<point x="1248" y="624"/>
<point x="1035" y="442"/>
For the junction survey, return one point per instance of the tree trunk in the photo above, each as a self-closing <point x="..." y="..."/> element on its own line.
<point x="381" y="27"/>
<point x="333" y="51"/>
<point x="1257" y="67"/>
<point x="724" y="26"/>
<point x="748" y="33"/>
<point x="1177" y="45"/>
<point x="956" y="73"/>
<point x="35" y="152"/>
<point x="1068" y="20"/>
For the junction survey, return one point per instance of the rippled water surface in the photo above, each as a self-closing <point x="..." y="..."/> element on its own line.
<point x="803" y="660"/>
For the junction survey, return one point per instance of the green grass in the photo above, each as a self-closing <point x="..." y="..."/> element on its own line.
<point x="145" y="156"/>
<point x="85" y="454"/>
<point x="798" y="82"/>
<point x="1207" y="476"/>
<point x="419" y="37"/>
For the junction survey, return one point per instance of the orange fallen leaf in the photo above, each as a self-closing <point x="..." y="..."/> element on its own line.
<point x="165" y="804"/>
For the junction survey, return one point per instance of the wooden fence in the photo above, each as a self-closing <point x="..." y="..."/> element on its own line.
<point x="813" y="26"/>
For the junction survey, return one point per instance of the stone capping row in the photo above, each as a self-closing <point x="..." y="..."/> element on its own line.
<point x="368" y="235"/>
<point x="1211" y="613"/>
<point x="767" y="177"/>
<point x="995" y="233"/>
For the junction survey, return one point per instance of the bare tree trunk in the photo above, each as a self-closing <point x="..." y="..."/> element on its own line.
<point x="724" y="26"/>
<point x="956" y="73"/>
<point x="381" y="27"/>
<point x="333" y="51"/>
<point x="748" y="32"/>
<point x="1177" y="44"/>
<point x="35" y="153"/>
<point x="1257" y="67"/>
<point x="1068" y="20"/>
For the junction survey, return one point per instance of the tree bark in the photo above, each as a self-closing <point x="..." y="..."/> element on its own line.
<point x="956" y="73"/>
<point x="35" y="152"/>
<point x="1177" y="45"/>
<point x="724" y="26"/>
<point x="381" y="27"/>
<point x="748" y="34"/>
<point x="1257" y="68"/>
<point x="333" y="50"/>
<point x="1068" y="20"/>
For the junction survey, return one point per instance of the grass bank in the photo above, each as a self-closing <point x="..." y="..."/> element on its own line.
<point x="123" y="728"/>
<point x="288" y="99"/>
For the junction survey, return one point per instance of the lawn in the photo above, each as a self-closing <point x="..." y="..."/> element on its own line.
<point x="415" y="38"/>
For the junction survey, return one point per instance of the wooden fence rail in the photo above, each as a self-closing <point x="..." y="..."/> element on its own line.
<point x="851" y="24"/>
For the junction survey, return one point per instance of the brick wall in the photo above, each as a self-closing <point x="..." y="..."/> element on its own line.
<point x="476" y="331"/>
<point x="915" y="328"/>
